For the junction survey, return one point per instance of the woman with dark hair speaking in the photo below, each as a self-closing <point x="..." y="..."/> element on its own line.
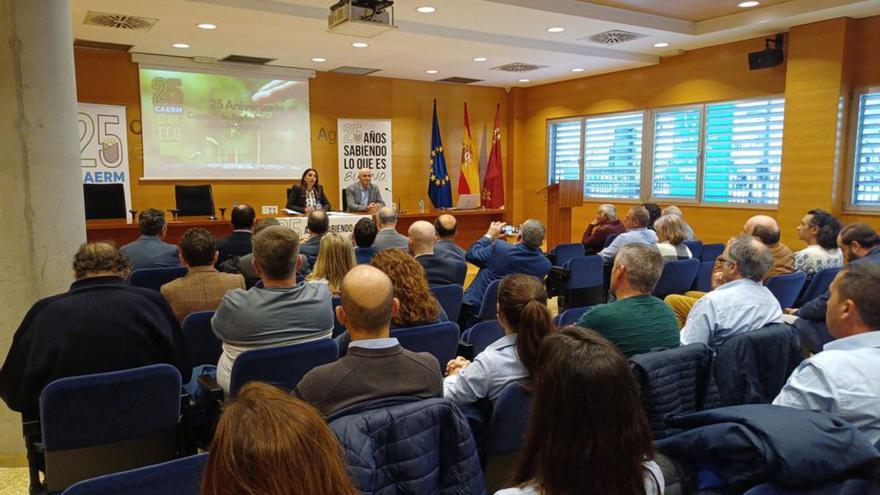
<point x="588" y="434"/>
<point x="308" y="196"/>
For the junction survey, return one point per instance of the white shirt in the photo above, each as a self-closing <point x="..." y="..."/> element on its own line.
<point x="491" y="370"/>
<point x="652" y="473"/>
<point x="843" y="379"/>
<point x="814" y="258"/>
<point x="736" y="307"/>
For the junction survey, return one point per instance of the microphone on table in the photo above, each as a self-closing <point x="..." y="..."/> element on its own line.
<point x="399" y="203"/>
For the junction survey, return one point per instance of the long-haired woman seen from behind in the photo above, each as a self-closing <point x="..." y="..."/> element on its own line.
<point x="523" y="314"/>
<point x="417" y="305"/>
<point x="670" y="238"/>
<point x="335" y="259"/>
<point x="269" y="443"/>
<point x="588" y="434"/>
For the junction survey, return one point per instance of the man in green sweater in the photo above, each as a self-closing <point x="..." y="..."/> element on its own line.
<point x="637" y="321"/>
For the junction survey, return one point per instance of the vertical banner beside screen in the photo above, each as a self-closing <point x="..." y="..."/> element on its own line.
<point x="103" y="144"/>
<point x="365" y="143"/>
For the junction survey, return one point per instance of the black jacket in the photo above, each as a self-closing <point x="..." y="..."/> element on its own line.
<point x="443" y="271"/>
<point x="296" y="200"/>
<point x="235" y="244"/>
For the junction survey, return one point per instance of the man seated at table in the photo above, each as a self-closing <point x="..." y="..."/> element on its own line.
<point x="439" y="270"/>
<point x="203" y="286"/>
<point x="605" y="224"/>
<point x="376" y="365"/>
<point x="318" y="224"/>
<point x="363" y="195"/>
<point x="101" y="324"/>
<point x="149" y="251"/>
<point x="446" y="226"/>
<point x="388" y="236"/>
<point x="282" y="312"/>
<point x="636" y="223"/>
<point x="238" y="243"/>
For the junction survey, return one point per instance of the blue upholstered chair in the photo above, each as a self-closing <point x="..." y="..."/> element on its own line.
<point x="338" y="327"/>
<point x="504" y="433"/>
<point x="155" y="278"/>
<point x="677" y="277"/>
<point x="711" y="252"/>
<point x="584" y="285"/>
<point x="482" y="335"/>
<point x="818" y="285"/>
<point x="703" y="281"/>
<point x="449" y="297"/>
<point x="202" y="346"/>
<point x="570" y="316"/>
<point x="488" y="309"/>
<point x="565" y="252"/>
<point x="610" y="239"/>
<point x="283" y="366"/>
<point x="696" y="248"/>
<point x="786" y="288"/>
<point x="439" y="339"/>
<point x="178" y="477"/>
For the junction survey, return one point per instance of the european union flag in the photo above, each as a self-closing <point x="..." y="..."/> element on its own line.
<point x="439" y="188"/>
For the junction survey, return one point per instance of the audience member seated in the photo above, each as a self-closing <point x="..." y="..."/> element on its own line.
<point x="238" y="243"/>
<point x="741" y="303"/>
<point x="363" y="235"/>
<point x="317" y="224"/>
<point x="446" y="226"/>
<point x="588" y="431"/>
<point x="335" y="259"/>
<point x="376" y="365"/>
<point x="279" y="313"/>
<point x="308" y="195"/>
<point x="497" y="258"/>
<point x="440" y="270"/>
<point x="148" y="251"/>
<point x="101" y="324"/>
<point x="637" y="321"/>
<point x="654" y="212"/>
<point x="270" y="443"/>
<point x="417" y="305"/>
<point x="244" y="265"/>
<point x="523" y="314"/>
<point x="636" y="222"/>
<point x="674" y="210"/>
<point x="819" y="229"/>
<point x="388" y="237"/>
<point x="605" y="224"/>
<point x="670" y="238"/>
<point x="203" y="287"/>
<point x="363" y="195"/>
<point x="843" y="378"/>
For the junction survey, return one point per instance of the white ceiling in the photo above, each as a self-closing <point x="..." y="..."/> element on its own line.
<point x="295" y="31"/>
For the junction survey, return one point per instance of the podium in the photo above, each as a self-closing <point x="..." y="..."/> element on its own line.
<point x="561" y="198"/>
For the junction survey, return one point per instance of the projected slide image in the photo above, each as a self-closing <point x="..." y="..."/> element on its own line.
<point x="222" y="126"/>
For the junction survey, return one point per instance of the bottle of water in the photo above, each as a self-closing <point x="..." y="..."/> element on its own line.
<point x="421" y="206"/>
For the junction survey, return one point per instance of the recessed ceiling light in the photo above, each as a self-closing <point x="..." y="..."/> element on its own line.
<point x="555" y="29"/>
<point x="480" y="59"/>
<point x="577" y="69"/>
<point x="524" y="80"/>
<point x="359" y="44"/>
<point x="180" y="45"/>
<point x="319" y="60"/>
<point x="662" y="44"/>
<point x="750" y="3"/>
<point x="206" y="25"/>
<point x="431" y="71"/>
<point x="427" y="9"/>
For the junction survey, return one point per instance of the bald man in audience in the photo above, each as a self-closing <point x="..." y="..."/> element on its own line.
<point x="439" y="270"/>
<point x="446" y="226"/>
<point x="376" y="365"/>
<point x="765" y="229"/>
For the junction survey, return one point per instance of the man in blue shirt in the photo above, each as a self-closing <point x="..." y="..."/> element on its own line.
<point x="842" y="379"/>
<point x="149" y="251"/>
<point x="636" y="222"/>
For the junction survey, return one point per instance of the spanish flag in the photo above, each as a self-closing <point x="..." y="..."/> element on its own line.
<point x="469" y="179"/>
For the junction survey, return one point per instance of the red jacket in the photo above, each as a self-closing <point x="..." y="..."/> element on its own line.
<point x="595" y="235"/>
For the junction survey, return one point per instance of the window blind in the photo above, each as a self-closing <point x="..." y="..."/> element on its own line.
<point x="565" y="150"/>
<point x="676" y="153"/>
<point x="613" y="156"/>
<point x="866" y="170"/>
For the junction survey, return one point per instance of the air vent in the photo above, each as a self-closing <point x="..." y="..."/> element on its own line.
<point x="459" y="80"/>
<point x="244" y="59"/>
<point x="356" y="71"/>
<point x="101" y="45"/>
<point x="519" y="67"/>
<point x="119" y="21"/>
<point x="613" y="37"/>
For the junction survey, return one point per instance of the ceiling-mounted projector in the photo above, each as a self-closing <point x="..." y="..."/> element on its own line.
<point x="363" y="18"/>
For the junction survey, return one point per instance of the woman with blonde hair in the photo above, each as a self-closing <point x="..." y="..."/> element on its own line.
<point x="417" y="305"/>
<point x="335" y="259"/>
<point x="670" y="238"/>
<point x="269" y="443"/>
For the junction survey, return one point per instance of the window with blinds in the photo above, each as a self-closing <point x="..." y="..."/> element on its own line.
<point x="866" y="163"/>
<point x="565" y="150"/>
<point x="613" y="156"/>
<point x="676" y="155"/>
<point x="743" y="152"/>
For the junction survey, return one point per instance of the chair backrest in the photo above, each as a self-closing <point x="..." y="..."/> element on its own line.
<point x="488" y="309"/>
<point x="344" y="200"/>
<point x="818" y="285"/>
<point x="439" y="339"/>
<point x="786" y="287"/>
<point x="202" y="346"/>
<point x="180" y="477"/>
<point x="194" y="200"/>
<point x="565" y="252"/>
<point x="109" y="422"/>
<point x="104" y="201"/>
<point x="449" y="297"/>
<point x="483" y="334"/>
<point x="677" y="277"/>
<point x="610" y="239"/>
<point x="703" y="280"/>
<point x="338" y="327"/>
<point x="696" y="248"/>
<point x="282" y="366"/>
<point x="504" y="433"/>
<point x="711" y="251"/>
<point x="155" y="278"/>
<point x="570" y="316"/>
<point x="586" y="271"/>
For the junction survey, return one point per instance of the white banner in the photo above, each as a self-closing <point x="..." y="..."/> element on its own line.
<point x="103" y="144"/>
<point x="341" y="224"/>
<point x="365" y="143"/>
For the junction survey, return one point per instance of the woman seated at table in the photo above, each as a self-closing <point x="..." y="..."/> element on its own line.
<point x="308" y="195"/>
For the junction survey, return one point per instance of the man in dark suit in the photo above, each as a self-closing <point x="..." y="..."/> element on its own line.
<point x="318" y="224"/>
<point x="149" y="251"/>
<point x="388" y="236"/>
<point x="376" y="365"/>
<point x="445" y="247"/>
<point x="439" y="270"/>
<point x="238" y="243"/>
<point x="363" y="195"/>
